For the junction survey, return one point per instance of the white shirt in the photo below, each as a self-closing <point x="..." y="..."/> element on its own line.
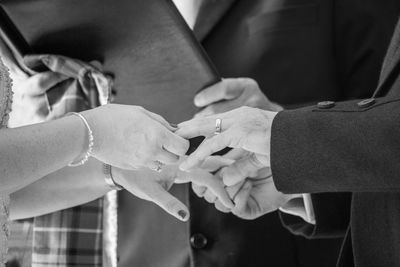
<point x="189" y="10"/>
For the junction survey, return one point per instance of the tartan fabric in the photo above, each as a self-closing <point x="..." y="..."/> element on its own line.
<point x="74" y="236"/>
<point x="71" y="237"/>
<point x="20" y="244"/>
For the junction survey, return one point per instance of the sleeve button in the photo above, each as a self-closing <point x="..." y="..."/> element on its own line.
<point x="366" y="103"/>
<point x="326" y="104"/>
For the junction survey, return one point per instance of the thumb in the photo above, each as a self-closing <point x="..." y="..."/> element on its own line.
<point x="169" y="203"/>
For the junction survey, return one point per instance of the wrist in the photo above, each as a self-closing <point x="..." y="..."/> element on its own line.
<point x="109" y="178"/>
<point x="95" y="124"/>
<point x="119" y="176"/>
<point x="83" y="157"/>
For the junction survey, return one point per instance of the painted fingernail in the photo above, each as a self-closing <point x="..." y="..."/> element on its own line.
<point x="182" y="214"/>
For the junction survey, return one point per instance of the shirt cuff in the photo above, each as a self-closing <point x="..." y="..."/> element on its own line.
<point x="300" y="205"/>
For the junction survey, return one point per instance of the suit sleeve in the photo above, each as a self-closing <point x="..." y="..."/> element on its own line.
<point x="342" y="149"/>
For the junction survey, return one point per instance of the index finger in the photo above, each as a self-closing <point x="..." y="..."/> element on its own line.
<point x="175" y="144"/>
<point x="206" y="149"/>
<point x="205" y="126"/>
<point x="225" y="90"/>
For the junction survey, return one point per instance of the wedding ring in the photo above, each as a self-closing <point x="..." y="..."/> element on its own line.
<point x="159" y="166"/>
<point x="218" y="124"/>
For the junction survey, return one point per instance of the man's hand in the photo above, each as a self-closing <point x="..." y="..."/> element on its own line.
<point x="253" y="196"/>
<point x="230" y="94"/>
<point x="245" y="128"/>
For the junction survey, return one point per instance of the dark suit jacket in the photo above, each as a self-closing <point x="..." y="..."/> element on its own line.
<point x="300" y="51"/>
<point x="351" y="147"/>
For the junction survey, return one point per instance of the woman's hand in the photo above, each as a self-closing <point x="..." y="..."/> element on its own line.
<point x="246" y="128"/>
<point x="154" y="186"/>
<point x="130" y="137"/>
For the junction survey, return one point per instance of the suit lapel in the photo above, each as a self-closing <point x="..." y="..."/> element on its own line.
<point x="392" y="59"/>
<point x="211" y="11"/>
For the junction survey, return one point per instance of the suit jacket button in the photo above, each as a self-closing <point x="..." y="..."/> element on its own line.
<point x="198" y="241"/>
<point x="326" y="104"/>
<point x="366" y="103"/>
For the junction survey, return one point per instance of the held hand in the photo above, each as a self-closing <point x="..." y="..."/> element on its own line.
<point x="253" y="197"/>
<point x="153" y="186"/>
<point x="130" y="137"/>
<point x="245" y="128"/>
<point x="230" y="94"/>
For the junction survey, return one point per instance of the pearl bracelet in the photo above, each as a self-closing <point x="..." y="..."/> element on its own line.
<point x="88" y="153"/>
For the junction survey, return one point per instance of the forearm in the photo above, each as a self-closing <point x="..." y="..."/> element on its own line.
<point x="32" y="152"/>
<point x="62" y="189"/>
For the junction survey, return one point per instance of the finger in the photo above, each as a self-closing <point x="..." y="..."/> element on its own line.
<point x="199" y="190"/>
<point x="206" y="149"/>
<point x="214" y="185"/>
<point x="169" y="203"/>
<point x="236" y="153"/>
<point x="175" y="144"/>
<point x="160" y="119"/>
<point x="225" y="90"/>
<point x="241" y="169"/>
<point x="220" y="107"/>
<point x="166" y="157"/>
<point x="205" y="126"/>
<point x="219" y="206"/>
<point x="214" y="163"/>
<point x="197" y="127"/>
<point x="42" y="82"/>
<point x="263" y="173"/>
<point x="233" y="190"/>
<point x="241" y="199"/>
<point x="210" y="197"/>
<point x="215" y="109"/>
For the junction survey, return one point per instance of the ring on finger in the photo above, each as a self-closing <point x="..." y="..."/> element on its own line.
<point x="218" y="126"/>
<point x="158" y="166"/>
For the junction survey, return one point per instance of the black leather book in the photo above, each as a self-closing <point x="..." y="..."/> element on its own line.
<point x="145" y="44"/>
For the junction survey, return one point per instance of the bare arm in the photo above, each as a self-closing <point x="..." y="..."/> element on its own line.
<point x="62" y="189"/>
<point x="32" y="152"/>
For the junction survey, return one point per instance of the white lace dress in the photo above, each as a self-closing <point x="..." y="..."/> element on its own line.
<point x="5" y="108"/>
